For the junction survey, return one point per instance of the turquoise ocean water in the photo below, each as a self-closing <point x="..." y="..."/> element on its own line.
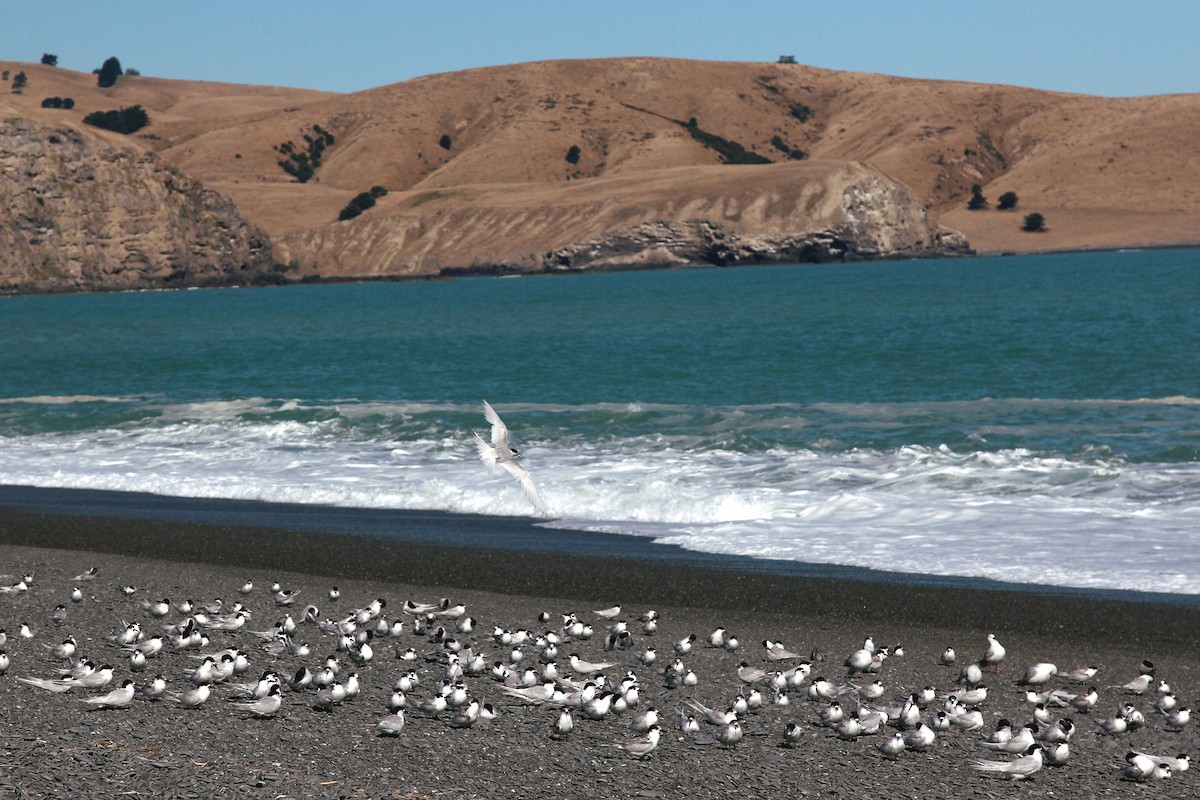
<point x="1031" y="418"/>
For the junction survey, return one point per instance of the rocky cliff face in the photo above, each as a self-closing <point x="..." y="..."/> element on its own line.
<point x="875" y="218"/>
<point x="79" y="211"/>
<point x="777" y="213"/>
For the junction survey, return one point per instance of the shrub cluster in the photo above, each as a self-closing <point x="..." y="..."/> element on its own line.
<point x="731" y="152"/>
<point x="58" y="102"/>
<point x="794" y="153"/>
<point x="801" y="112"/>
<point x="127" y="120"/>
<point x="361" y="202"/>
<point x="301" y="164"/>
<point x="1008" y="200"/>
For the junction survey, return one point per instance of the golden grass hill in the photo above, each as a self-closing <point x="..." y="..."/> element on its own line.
<point x="564" y="166"/>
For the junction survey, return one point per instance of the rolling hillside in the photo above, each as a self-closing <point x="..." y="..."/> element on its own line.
<point x="477" y="170"/>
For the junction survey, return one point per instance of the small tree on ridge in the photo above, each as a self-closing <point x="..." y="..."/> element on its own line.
<point x="109" y="72"/>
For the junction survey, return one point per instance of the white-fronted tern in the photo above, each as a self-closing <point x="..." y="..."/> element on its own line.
<point x="392" y="724"/>
<point x="643" y="745"/>
<point x="1019" y="769"/>
<point x="500" y="453"/>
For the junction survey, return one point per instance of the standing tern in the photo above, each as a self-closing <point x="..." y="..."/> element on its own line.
<point x="1022" y="768"/>
<point x="500" y="452"/>
<point x="1038" y="674"/>
<point x="641" y="746"/>
<point x="391" y="725"/>
<point x="993" y="655"/>
<point x="117" y="698"/>
<point x="264" y="707"/>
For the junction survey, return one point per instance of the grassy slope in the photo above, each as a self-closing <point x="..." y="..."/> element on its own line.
<point x="1105" y="172"/>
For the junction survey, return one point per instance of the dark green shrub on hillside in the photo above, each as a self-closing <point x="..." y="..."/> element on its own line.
<point x="1034" y="223"/>
<point x="20" y="81"/>
<point x="573" y="154"/>
<point x="801" y="112"/>
<point x="1007" y="201"/>
<point x="795" y="154"/>
<point x="127" y="120"/>
<point x="109" y="72"/>
<point x="49" y="59"/>
<point x="378" y="191"/>
<point x="445" y="142"/>
<point x="977" y="200"/>
<point x="358" y="205"/>
<point x="731" y="152"/>
<point x="58" y="102"/>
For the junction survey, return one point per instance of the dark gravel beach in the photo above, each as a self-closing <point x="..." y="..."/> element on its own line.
<point x="52" y="744"/>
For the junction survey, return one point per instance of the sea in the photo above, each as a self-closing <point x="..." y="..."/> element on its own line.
<point x="1027" y="419"/>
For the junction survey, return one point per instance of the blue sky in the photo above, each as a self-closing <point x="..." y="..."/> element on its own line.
<point x="1096" y="47"/>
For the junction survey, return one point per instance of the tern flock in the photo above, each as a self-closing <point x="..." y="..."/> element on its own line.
<point x="592" y="675"/>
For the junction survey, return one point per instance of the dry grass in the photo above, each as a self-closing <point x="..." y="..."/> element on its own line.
<point x="1105" y="172"/>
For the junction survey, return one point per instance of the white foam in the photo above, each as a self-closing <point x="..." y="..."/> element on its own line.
<point x="1088" y="521"/>
<point x="59" y="400"/>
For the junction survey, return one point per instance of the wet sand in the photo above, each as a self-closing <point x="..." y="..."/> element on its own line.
<point x="153" y="748"/>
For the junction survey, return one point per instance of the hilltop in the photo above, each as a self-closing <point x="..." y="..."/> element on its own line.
<point x="613" y="162"/>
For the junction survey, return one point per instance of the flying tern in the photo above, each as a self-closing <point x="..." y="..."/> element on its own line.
<point x="500" y="453"/>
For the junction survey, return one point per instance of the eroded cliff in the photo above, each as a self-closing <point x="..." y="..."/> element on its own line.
<point x="84" y="211"/>
<point x="778" y="213"/>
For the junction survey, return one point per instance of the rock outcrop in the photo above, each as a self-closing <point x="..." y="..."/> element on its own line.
<point x="83" y="211"/>
<point x="877" y="218"/>
<point x="777" y="213"/>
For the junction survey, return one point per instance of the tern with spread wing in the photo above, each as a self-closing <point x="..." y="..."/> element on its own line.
<point x="500" y="453"/>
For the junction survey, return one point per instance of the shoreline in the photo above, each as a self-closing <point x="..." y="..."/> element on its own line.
<point x="154" y="747"/>
<point x="530" y="536"/>
<point x="507" y="271"/>
<point x="511" y="556"/>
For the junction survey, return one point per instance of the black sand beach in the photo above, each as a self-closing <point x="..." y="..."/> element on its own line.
<point x="153" y="748"/>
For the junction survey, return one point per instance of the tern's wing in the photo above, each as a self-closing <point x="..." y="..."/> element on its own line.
<point x="499" y="430"/>
<point x="526" y="480"/>
<point x="638" y="747"/>
<point x="487" y="453"/>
